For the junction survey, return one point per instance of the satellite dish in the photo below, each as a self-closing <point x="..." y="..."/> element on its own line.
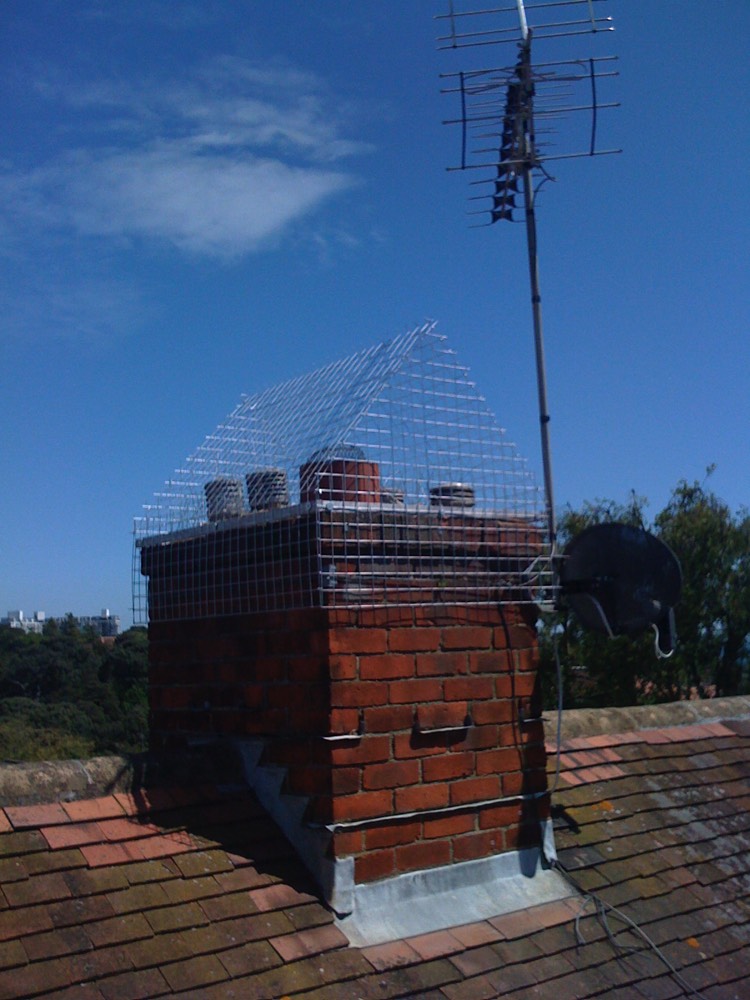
<point x="619" y="580"/>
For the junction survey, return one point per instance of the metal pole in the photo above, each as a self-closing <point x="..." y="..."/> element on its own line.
<point x="541" y="374"/>
<point x="527" y="143"/>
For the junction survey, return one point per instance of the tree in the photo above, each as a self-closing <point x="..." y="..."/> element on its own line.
<point x="65" y="692"/>
<point x="126" y="666"/>
<point x="713" y="616"/>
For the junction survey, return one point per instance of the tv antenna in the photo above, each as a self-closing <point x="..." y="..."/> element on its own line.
<point x="508" y="120"/>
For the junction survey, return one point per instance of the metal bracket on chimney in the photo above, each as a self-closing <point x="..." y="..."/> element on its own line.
<point x="358" y="734"/>
<point x="418" y="730"/>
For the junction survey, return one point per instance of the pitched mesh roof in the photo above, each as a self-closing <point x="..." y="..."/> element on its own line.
<point x="398" y="430"/>
<point x="406" y="403"/>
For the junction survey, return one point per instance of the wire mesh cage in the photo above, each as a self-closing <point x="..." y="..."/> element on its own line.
<point x="382" y="478"/>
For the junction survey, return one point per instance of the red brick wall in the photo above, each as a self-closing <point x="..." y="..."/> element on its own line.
<point x="392" y="676"/>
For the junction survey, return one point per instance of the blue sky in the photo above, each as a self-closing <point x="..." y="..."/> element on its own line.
<point x="200" y="199"/>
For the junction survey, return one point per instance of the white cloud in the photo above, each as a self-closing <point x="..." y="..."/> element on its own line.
<point x="218" y="204"/>
<point x="218" y="167"/>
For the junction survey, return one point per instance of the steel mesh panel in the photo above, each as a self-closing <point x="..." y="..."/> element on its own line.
<point x="382" y="478"/>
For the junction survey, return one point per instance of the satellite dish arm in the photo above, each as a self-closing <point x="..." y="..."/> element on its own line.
<point x="665" y="635"/>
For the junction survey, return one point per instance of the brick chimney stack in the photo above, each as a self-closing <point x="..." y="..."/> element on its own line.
<point x="410" y="734"/>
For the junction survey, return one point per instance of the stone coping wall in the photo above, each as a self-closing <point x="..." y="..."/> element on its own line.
<point x="41" y="782"/>
<point x="599" y="721"/>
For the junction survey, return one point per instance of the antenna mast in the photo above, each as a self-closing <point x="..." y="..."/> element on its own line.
<point x="527" y="155"/>
<point x="543" y="90"/>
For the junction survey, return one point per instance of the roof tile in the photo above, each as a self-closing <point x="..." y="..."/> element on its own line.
<point x="249" y="958"/>
<point x="142" y="985"/>
<point x="204" y="863"/>
<point x="92" y="809"/>
<point x="168" y="845"/>
<point x="118" y="930"/>
<point x="126" y="828"/>
<point x="149" y="896"/>
<point x="258" y="927"/>
<point x="516" y="925"/>
<point x="476" y="988"/>
<point x="655" y="736"/>
<point x="720" y="729"/>
<point x="172" y="918"/>
<point x="79" y="910"/>
<point x="87" y="883"/>
<point x="12" y="954"/>
<point x="72" y="835"/>
<point x="37" y="889"/>
<point x="154" y="870"/>
<point x="12" y="870"/>
<point x="477" y="961"/>
<point x="473" y="935"/>
<point x="522" y="949"/>
<point x="403" y="981"/>
<point x="23" y="817"/>
<point x="435" y="945"/>
<point x="154" y="951"/>
<point x="277" y="897"/>
<point x="98" y="963"/>
<point x="390" y="955"/>
<point x="308" y="915"/>
<point x="39" y="978"/>
<point x="242" y="878"/>
<point x="194" y="972"/>
<point x="185" y="890"/>
<point x="61" y="941"/>
<point x="99" y="855"/>
<point x="223" y="907"/>
<point x="310" y="942"/>
<point x="513" y="976"/>
<point x="284" y="979"/>
<point x="12" y="844"/>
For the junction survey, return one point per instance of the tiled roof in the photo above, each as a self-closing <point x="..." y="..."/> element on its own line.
<point x="169" y="893"/>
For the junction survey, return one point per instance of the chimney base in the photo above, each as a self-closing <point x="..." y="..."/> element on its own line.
<point x="411" y="903"/>
<point x="438" y="898"/>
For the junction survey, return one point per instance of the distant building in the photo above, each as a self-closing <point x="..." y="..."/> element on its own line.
<point x="16" y="619"/>
<point x="106" y="624"/>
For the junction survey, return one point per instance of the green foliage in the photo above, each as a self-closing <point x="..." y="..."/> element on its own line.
<point x="65" y="693"/>
<point x="713" y="616"/>
<point x="33" y="731"/>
